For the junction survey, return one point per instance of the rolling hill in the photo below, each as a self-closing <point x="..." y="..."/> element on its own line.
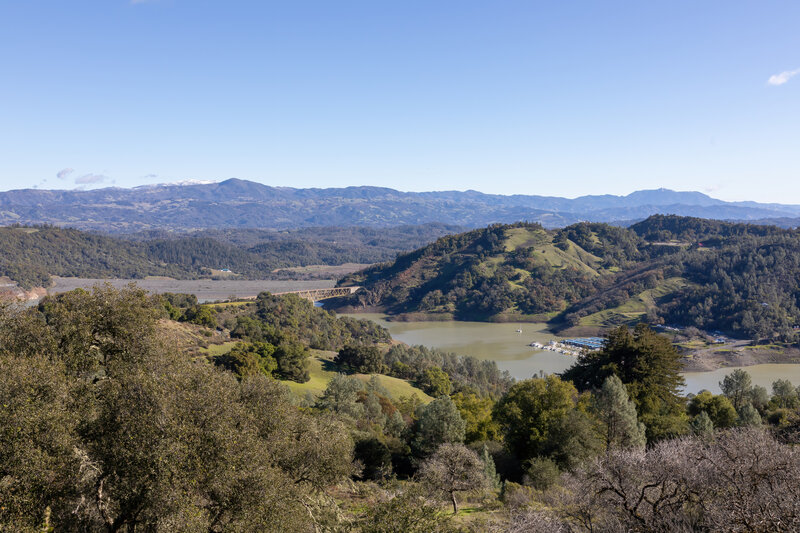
<point x="32" y="254"/>
<point x="739" y="278"/>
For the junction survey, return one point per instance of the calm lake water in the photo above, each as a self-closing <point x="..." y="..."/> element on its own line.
<point x="502" y="343"/>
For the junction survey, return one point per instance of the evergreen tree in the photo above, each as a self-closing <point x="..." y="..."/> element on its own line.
<point x="439" y="423"/>
<point x="702" y="425"/>
<point x="489" y="469"/>
<point x="748" y="416"/>
<point x="784" y="394"/>
<point x="341" y="396"/>
<point x="737" y="386"/>
<point x="546" y="417"/>
<point x="649" y="365"/>
<point x="617" y="413"/>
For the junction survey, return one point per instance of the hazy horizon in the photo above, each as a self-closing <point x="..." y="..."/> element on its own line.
<point x="399" y="189"/>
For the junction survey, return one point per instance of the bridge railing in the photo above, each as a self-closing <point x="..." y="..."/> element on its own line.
<point x="316" y="295"/>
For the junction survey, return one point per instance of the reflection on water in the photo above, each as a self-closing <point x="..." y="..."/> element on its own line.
<point x="502" y="343"/>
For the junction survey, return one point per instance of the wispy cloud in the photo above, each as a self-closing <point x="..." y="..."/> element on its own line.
<point x="783" y="77"/>
<point x="90" y="178"/>
<point x="64" y="173"/>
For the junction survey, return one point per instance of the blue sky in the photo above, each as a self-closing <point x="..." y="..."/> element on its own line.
<point x="559" y="98"/>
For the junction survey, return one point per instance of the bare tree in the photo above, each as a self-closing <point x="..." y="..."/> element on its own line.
<point x="743" y="480"/>
<point x="453" y="468"/>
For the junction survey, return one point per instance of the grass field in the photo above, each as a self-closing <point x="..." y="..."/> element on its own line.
<point x="635" y="307"/>
<point x="230" y="304"/>
<point x="218" y="349"/>
<point x="323" y="369"/>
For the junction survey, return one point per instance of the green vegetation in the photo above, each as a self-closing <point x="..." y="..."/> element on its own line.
<point x="736" y="278"/>
<point x="107" y="426"/>
<point x="31" y="255"/>
<point x="648" y="365"/>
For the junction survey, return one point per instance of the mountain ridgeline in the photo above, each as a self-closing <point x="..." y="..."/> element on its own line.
<point x="738" y="278"/>
<point x="236" y="203"/>
<point x="31" y="255"/>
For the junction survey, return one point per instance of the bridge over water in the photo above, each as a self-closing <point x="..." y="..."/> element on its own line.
<point x="316" y="295"/>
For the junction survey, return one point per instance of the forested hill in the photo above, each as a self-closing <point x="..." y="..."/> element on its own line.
<point x="738" y="278"/>
<point x="31" y="255"/>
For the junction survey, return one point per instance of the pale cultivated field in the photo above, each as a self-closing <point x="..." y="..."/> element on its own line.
<point x="204" y="289"/>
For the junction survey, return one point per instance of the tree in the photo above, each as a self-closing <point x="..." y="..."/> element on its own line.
<point x="784" y="395"/>
<point x="246" y="359"/>
<point x="477" y="414"/>
<point x="38" y="432"/>
<point x="375" y="458"/>
<point x="759" y="397"/>
<point x="438" y="423"/>
<point x="743" y="480"/>
<point x="363" y="359"/>
<point x="293" y="361"/>
<point x="453" y="468"/>
<point x="749" y="417"/>
<point x="649" y="366"/>
<point x="546" y="417"/>
<point x="737" y="386"/>
<point x="718" y="408"/>
<point x="617" y="414"/>
<point x="435" y="382"/>
<point x="489" y="469"/>
<point x="541" y="473"/>
<point x="406" y="512"/>
<point x="702" y="426"/>
<point x="341" y="396"/>
<point x="112" y="430"/>
<point x="202" y="315"/>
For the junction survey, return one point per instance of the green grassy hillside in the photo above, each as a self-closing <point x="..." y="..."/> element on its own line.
<point x="512" y="271"/>
<point x="323" y="369"/>
<point x="636" y="307"/>
<point x="738" y="278"/>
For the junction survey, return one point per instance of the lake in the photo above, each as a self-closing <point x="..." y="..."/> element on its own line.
<point x="501" y="343"/>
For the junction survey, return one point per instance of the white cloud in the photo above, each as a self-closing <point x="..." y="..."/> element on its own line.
<point x="783" y="77"/>
<point x="90" y="178"/>
<point x="63" y="173"/>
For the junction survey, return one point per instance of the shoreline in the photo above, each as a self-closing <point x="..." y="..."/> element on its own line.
<point x="708" y="358"/>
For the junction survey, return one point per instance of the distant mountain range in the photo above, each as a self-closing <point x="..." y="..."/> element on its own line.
<point x="238" y="203"/>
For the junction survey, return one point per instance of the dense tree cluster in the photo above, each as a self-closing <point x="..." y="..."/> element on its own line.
<point x="464" y="373"/>
<point x="648" y="364"/>
<point x="105" y="429"/>
<point x="31" y="255"/>
<point x="275" y="319"/>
